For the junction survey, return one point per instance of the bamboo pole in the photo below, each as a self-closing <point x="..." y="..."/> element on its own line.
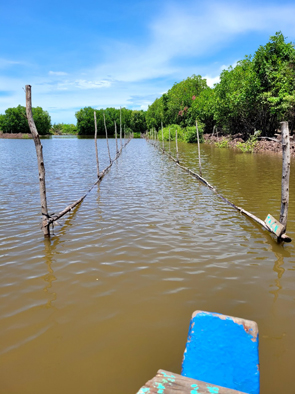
<point x="176" y="144"/>
<point x="106" y="130"/>
<point x="41" y="167"/>
<point x="117" y="150"/>
<point x="120" y="129"/>
<point x="285" y="176"/>
<point x="199" y="151"/>
<point x="95" y="138"/>
<point x="163" y="147"/>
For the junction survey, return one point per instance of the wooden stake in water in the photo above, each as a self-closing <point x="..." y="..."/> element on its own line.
<point x="117" y="151"/>
<point x="285" y="175"/>
<point x="177" y="158"/>
<point x="120" y="129"/>
<point x="199" y="152"/>
<point x="41" y="167"/>
<point x="95" y="139"/>
<point x="106" y="130"/>
<point x="163" y="147"/>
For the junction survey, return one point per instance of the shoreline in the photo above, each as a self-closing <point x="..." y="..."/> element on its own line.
<point x="262" y="145"/>
<point x="15" y="135"/>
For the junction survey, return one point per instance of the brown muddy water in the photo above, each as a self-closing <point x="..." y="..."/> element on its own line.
<point x="107" y="301"/>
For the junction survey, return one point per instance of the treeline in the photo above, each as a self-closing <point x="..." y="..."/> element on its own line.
<point x="256" y="94"/>
<point x="131" y="120"/>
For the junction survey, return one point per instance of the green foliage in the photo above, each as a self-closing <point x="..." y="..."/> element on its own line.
<point x="15" y="121"/>
<point x="173" y="128"/>
<point x="177" y="106"/>
<point x="258" y="93"/>
<point x="2" y="121"/>
<point x="64" y="128"/>
<point x="135" y="120"/>
<point x="224" y="143"/>
<point x="235" y="106"/>
<point x="249" y="145"/>
<point x="187" y="134"/>
<point x="136" y="135"/>
<point x="190" y="134"/>
<point x="274" y="65"/>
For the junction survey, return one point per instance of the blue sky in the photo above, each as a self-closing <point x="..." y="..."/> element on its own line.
<point x="124" y="53"/>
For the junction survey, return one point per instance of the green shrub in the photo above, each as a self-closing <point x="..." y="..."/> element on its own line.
<point x="224" y="143"/>
<point x="249" y="145"/>
<point x="188" y="134"/>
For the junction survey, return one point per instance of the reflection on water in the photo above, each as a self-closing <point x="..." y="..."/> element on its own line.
<point x="106" y="302"/>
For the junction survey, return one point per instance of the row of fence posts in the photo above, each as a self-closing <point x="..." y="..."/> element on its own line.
<point x="270" y="224"/>
<point x="47" y="219"/>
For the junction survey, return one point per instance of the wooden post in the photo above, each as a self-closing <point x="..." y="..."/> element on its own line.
<point x="169" y="141"/>
<point x="95" y="138"/>
<point x="117" y="151"/>
<point x="285" y="176"/>
<point x="177" y="158"/>
<point x="163" y="147"/>
<point x="41" y="167"/>
<point x="106" y="130"/>
<point x="199" y="152"/>
<point x="120" y="129"/>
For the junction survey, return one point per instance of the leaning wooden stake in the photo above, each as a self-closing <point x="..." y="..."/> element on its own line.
<point x="285" y="177"/>
<point x="95" y="137"/>
<point x="199" y="152"/>
<point x="106" y="130"/>
<point x="117" y="150"/>
<point x="41" y="167"/>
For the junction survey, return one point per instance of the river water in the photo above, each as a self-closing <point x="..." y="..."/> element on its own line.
<point x="107" y="301"/>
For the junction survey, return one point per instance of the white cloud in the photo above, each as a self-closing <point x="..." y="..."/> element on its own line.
<point x="6" y="63"/>
<point x="83" y="84"/>
<point x="211" y="81"/>
<point x="57" y="73"/>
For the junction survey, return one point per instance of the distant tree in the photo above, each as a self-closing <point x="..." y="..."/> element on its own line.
<point x="85" y="120"/>
<point x="15" y="121"/>
<point x="2" y="121"/>
<point x="63" y="128"/>
<point x="138" y="122"/>
<point x="175" y="106"/>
